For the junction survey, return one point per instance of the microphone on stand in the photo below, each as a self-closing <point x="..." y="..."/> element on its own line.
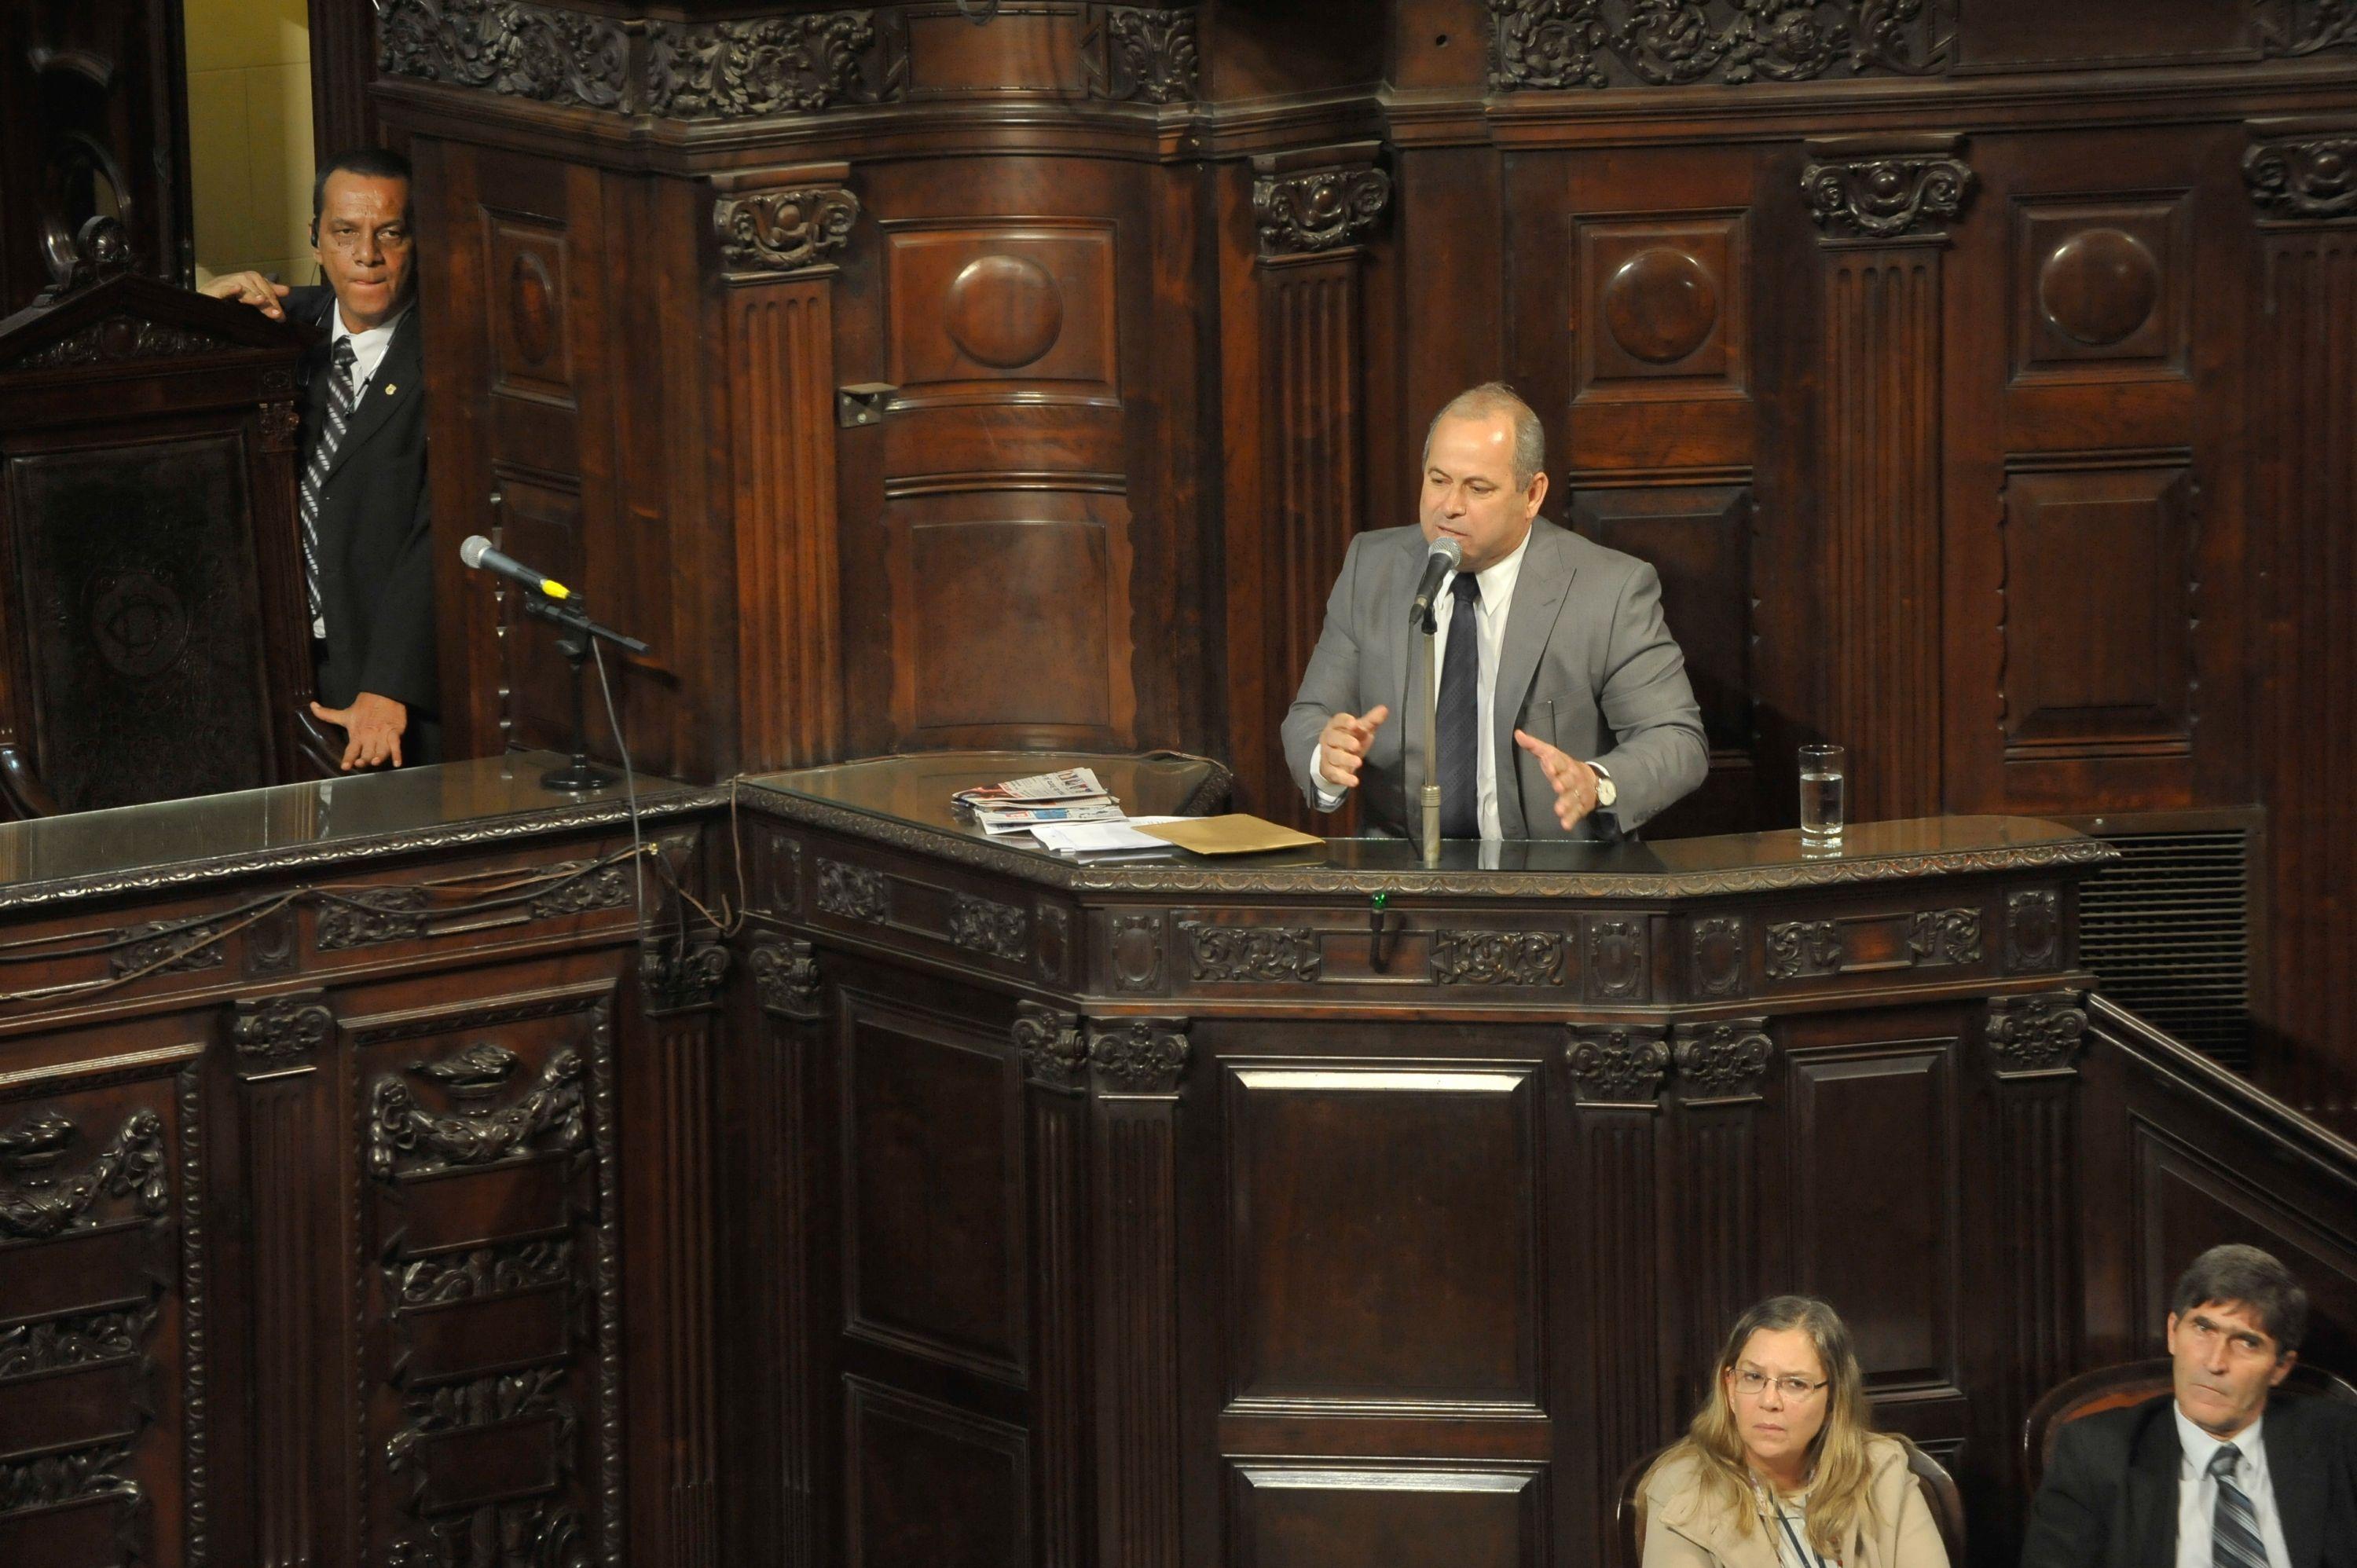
<point x="476" y="551"/>
<point x="1446" y="554"/>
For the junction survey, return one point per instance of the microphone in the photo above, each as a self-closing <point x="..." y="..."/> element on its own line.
<point x="1446" y="554"/>
<point x="478" y="552"/>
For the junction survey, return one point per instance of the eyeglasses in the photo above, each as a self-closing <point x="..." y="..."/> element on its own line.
<point x="1751" y="1382"/>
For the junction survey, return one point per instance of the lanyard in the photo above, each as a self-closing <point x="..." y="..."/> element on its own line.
<point x="1807" y="1554"/>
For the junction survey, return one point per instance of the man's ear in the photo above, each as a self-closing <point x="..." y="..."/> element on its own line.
<point x="2283" y="1369"/>
<point x="1538" y="491"/>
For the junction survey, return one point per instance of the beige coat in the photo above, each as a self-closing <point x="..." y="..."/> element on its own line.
<point x="1899" y="1534"/>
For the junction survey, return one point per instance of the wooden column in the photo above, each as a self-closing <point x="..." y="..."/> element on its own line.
<point x="778" y="230"/>
<point x="1722" y="1067"/>
<point x="1879" y="461"/>
<point x="299" y="1390"/>
<point x="1616" y="1073"/>
<point x="1056" y="1074"/>
<point x="1311" y="210"/>
<point x="1134" y="1067"/>
<point x="678" y="1367"/>
<point x="2303" y="493"/>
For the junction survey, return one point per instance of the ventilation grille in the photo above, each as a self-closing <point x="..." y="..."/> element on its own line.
<point x="2167" y="927"/>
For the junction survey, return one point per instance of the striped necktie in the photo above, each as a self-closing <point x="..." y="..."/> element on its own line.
<point x="315" y="475"/>
<point x="1460" y="717"/>
<point x="2234" y="1539"/>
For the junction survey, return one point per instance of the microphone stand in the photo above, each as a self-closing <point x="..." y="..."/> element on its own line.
<point x="580" y="773"/>
<point x="1431" y="791"/>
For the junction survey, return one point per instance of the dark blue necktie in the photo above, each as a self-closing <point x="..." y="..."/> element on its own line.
<point x="2234" y="1541"/>
<point x="1460" y="714"/>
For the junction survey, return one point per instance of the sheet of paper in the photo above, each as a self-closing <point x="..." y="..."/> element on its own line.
<point x="1236" y="834"/>
<point x="1094" y="838"/>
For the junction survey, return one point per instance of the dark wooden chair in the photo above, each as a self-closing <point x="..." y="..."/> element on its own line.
<point x="2133" y="1382"/>
<point x="1939" y="1488"/>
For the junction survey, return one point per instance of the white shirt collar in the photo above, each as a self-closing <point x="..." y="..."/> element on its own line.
<point x="362" y="342"/>
<point x="1498" y="578"/>
<point x="2198" y="1447"/>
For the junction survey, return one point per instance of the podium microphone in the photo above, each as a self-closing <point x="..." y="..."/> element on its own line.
<point x="1446" y="554"/>
<point x="476" y="551"/>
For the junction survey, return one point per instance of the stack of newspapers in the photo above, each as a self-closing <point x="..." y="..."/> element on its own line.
<point x="1070" y="812"/>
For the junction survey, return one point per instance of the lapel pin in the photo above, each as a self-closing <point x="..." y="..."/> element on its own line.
<point x="390" y="389"/>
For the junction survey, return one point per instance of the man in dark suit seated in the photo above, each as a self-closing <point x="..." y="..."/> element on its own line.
<point x="2211" y="1476"/>
<point x="367" y="570"/>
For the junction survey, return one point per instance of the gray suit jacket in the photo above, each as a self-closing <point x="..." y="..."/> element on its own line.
<point x="1588" y="665"/>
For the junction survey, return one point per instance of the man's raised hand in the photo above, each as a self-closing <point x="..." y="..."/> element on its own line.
<point x="253" y="289"/>
<point x="1342" y="746"/>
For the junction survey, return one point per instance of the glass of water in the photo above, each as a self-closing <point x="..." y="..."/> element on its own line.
<point x="1823" y="775"/>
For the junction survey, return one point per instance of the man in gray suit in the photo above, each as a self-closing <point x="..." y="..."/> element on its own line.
<point x="1563" y="706"/>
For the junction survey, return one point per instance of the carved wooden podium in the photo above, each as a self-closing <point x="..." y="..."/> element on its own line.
<point x="155" y="644"/>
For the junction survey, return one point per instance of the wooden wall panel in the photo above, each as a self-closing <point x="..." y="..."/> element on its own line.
<point x="931" y="1484"/>
<point x="1327" y="1516"/>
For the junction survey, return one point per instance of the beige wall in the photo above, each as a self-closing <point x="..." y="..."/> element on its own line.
<point x="250" y="136"/>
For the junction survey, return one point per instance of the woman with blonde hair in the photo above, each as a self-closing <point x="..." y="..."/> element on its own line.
<point x="1780" y="1468"/>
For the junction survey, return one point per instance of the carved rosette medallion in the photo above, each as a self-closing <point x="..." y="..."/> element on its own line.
<point x="1721" y="1061"/>
<point x="1497" y="958"/>
<point x="1718" y="957"/>
<point x="786" y="977"/>
<point x="679" y="978"/>
<point x="784" y="230"/>
<point x="1319" y="209"/>
<point x="853" y="892"/>
<point x="1556" y="44"/>
<point x="1617" y="1063"/>
<point x="993" y="930"/>
<point x="1150" y="56"/>
<point x="2033" y="930"/>
<point x="1251" y="954"/>
<point x="1892" y="198"/>
<point x="1137" y="1055"/>
<point x="540" y="52"/>
<point x="1055" y="1053"/>
<point x="1616" y="959"/>
<point x="2036" y="1035"/>
<point x="1944" y="936"/>
<point x="281" y="1032"/>
<point x="2307" y="177"/>
<point x="1798" y="949"/>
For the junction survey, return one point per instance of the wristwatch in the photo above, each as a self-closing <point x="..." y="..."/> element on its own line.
<point x="1606" y="790"/>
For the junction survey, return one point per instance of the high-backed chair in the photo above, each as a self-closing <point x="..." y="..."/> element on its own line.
<point x="1937" y="1486"/>
<point x="2133" y="1382"/>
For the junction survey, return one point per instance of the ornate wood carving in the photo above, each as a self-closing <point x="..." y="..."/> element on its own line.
<point x="1317" y="208"/>
<point x="2304" y="178"/>
<point x="784" y="230"/>
<point x="36" y="1204"/>
<point x="2033" y="930"/>
<point x="1617" y="1063"/>
<point x="586" y="887"/>
<point x="2295" y="27"/>
<point x="273" y="943"/>
<point x="1660" y="43"/>
<point x="1895" y="196"/>
<point x="1497" y="958"/>
<point x="370" y="917"/>
<point x="1617" y="966"/>
<point x="122" y="338"/>
<point x="1137" y="1055"/>
<point x="280" y="1032"/>
<point x="786" y="976"/>
<point x="1136" y="1065"/>
<point x="1724" y="1061"/>
<point x="768" y="65"/>
<point x="2036" y="1035"/>
<point x="1055" y="928"/>
<point x="540" y="52"/>
<point x="1944" y="935"/>
<point x="1149" y="55"/>
<point x="853" y="892"/>
<point x="991" y="928"/>
<point x="281" y="426"/>
<point x="1240" y="954"/>
<point x="404" y="1138"/>
<point x="1720" y="959"/>
<point x="1136" y="951"/>
<point x="680" y="976"/>
<point x="1055" y="1053"/>
<point x="1797" y="949"/>
<point x="168" y="946"/>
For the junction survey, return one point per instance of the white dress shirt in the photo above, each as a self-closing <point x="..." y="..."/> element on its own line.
<point x="368" y="347"/>
<point x="1497" y="599"/>
<point x="2197" y="1492"/>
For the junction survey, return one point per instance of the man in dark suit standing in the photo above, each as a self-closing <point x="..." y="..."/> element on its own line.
<point x="2213" y="1475"/>
<point x="367" y="571"/>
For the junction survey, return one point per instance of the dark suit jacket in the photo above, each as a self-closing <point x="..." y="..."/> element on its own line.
<point x="376" y="572"/>
<point x="2110" y="1494"/>
<point x="1588" y="666"/>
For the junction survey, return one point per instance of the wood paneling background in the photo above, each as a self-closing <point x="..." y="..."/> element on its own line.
<point x="1978" y="373"/>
